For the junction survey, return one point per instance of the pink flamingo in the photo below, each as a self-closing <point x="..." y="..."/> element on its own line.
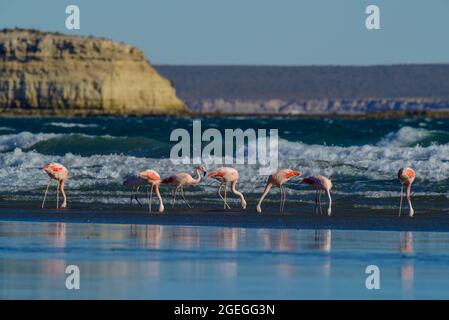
<point x="180" y="180"/>
<point x="321" y="184"/>
<point x="278" y="179"/>
<point x="226" y="175"/>
<point x="406" y="177"/>
<point x="135" y="182"/>
<point x="154" y="179"/>
<point x="58" y="172"/>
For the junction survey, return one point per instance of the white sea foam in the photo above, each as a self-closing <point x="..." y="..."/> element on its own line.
<point x="7" y="129"/>
<point x="372" y="162"/>
<point x="71" y="125"/>
<point x="20" y="170"/>
<point x="406" y="136"/>
<point x="23" y="140"/>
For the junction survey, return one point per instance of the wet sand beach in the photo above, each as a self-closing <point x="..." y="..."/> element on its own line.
<point x="386" y="220"/>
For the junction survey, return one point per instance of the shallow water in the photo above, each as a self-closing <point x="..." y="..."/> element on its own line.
<point x="170" y="262"/>
<point x="362" y="157"/>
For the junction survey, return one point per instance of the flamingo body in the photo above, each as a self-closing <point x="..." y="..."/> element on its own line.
<point x="277" y="179"/>
<point x="59" y="173"/>
<point x="227" y="175"/>
<point x="183" y="179"/>
<point x="154" y="179"/>
<point x="135" y="182"/>
<point x="407" y="176"/>
<point x="320" y="184"/>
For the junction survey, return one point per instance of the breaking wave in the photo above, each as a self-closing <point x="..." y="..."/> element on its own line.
<point x="98" y="164"/>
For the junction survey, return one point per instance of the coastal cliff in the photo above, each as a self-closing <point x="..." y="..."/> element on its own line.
<point x="55" y="74"/>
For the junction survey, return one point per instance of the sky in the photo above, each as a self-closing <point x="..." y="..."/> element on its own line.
<point x="253" y="32"/>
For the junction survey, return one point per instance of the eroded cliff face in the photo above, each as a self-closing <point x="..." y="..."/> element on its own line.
<point x="55" y="74"/>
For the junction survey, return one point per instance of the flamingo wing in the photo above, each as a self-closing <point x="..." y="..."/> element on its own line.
<point x="169" y="180"/>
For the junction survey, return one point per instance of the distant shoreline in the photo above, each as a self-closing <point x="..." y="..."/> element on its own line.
<point x="369" y="115"/>
<point x="425" y="222"/>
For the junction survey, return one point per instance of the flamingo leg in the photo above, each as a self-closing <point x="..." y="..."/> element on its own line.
<point x="225" y="202"/>
<point x="400" y="203"/>
<point x="132" y="196"/>
<point x="184" y="198"/>
<point x="150" y="196"/>
<point x="285" y="198"/>
<point x="219" y="193"/>
<point x="316" y="202"/>
<point x="319" y="201"/>
<point x="45" y="194"/>
<point x="135" y="196"/>
<point x="174" y="196"/>
<point x="280" y="201"/>
<point x="57" y="195"/>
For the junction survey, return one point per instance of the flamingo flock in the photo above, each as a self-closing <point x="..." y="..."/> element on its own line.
<point x="226" y="176"/>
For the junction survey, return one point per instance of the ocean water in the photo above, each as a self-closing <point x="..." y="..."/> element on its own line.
<point x="362" y="158"/>
<point x="173" y="262"/>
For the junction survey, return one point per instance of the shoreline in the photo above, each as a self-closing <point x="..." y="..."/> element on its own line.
<point x="233" y="219"/>
<point x="349" y="116"/>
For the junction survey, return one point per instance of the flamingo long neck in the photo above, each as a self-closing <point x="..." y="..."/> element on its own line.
<point x="238" y="193"/>
<point x="264" y="194"/>
<point x="158" y="194"/>
<point x="329" y="209"/>
<point x="198" y="177"/>
<point x="61" y="187"/>
<point x="408" y="194"/>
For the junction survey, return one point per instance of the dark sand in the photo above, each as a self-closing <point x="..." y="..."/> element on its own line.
<point x="344" y="220"/>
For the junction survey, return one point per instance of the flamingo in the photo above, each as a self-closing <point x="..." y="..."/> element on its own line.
<point x="406" y="177"/>
<point x="226" y="175"/>
<point x="135" y="182"/>
<point x="180" y="180"/>
<point x="278" y="179"/>
<point x="58" y="172"/>
<point x="321" y="184"/>
<point x="154" y="179"/>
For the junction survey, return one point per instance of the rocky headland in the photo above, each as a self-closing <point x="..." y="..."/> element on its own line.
<point x="54" y="74"/>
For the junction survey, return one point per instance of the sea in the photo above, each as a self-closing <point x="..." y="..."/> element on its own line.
<point x="132" y="261"/>
<point x="361" y="157"/>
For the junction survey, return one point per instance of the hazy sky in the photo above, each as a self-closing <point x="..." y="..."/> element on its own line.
<point x="273" y="32"/>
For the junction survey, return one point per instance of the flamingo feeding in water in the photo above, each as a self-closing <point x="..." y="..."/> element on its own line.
<point x="406" y="177"/>
<point x="58" y="172"/>
<point x="180" y="180"/>
<point x="227" y="175"/>
<point x="278" y="179"/>
<point x="154" y="179"/>
<point x="321" y="184"/>
<point x="135" y="182"/>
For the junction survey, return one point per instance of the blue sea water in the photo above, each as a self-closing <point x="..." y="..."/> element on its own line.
<point x="361" y="157"/>
<point x="174" y="262"/>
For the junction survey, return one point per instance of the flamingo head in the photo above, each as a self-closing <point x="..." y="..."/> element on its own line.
<point x="202" y="169"/>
